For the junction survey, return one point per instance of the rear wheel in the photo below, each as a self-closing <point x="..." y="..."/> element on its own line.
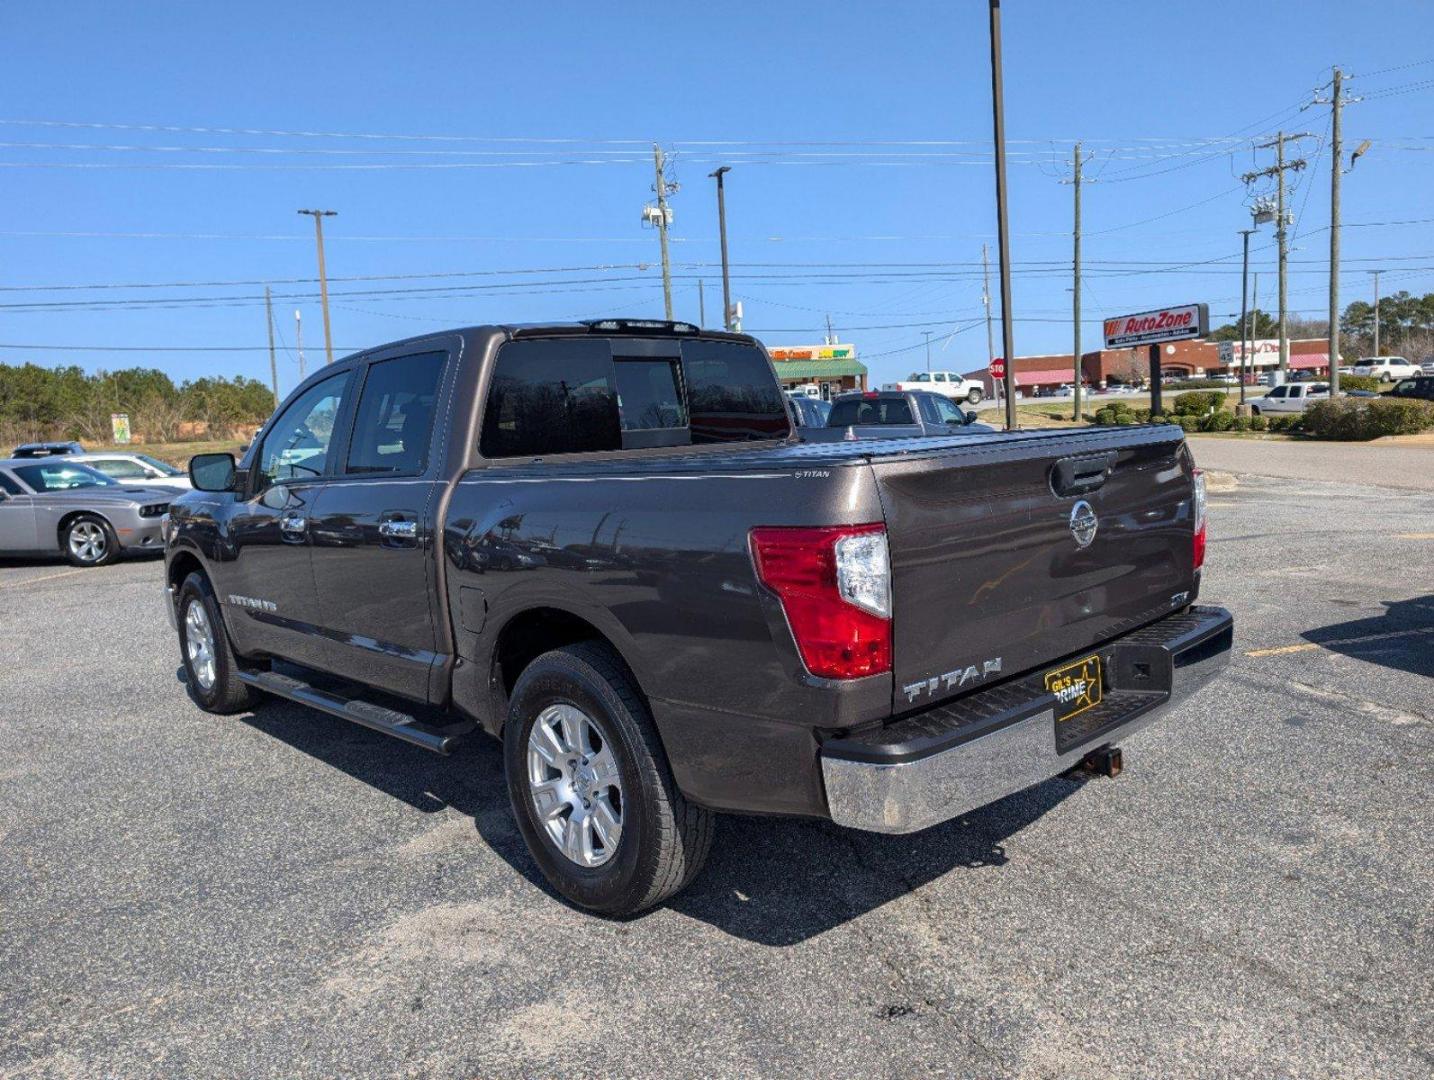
<point x="591" y="788"/>
<point x="88" y="540"/>
<point x="210" y="665"/>
<point x="974" y="396"/>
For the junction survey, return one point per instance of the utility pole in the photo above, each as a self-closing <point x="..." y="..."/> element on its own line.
<point x="1254" y="313"/>
<point x="831" y="335"/>
<point x="659" y="161"/>
<point x="722" y="233"/>
<point x="1075" y="182"/>
<point x="318" y="216"/>
<point x="1244" y="310"/>
<point x="1376" y="311"/>
<point x="928" y="350"/>
<point x="701" y="304"/>
<point x="1336" y="102"/>
<point x="299" y="341"/>
<point x="1282" y="222"/>
<point x="1003" y="233"/>
<point x="986" y="302"/>
<point x="273" y="361"/>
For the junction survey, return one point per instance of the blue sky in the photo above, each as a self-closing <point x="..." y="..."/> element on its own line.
<point x="859" y="136"/>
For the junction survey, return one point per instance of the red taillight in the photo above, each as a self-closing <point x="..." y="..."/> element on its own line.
<point x="1199" y="515"/>
<point x="835" y="587"/>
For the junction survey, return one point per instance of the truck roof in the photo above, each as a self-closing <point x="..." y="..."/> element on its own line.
<point x="612" y="327"/>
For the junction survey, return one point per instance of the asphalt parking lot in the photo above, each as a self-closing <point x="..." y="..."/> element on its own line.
<point x="284" y="894"/>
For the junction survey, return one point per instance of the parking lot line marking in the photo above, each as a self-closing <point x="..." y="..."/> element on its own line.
<point x="36" y="580"/>
<point x="1281" y="650"/>
<point x="1414" y="536"/>
<point x="1307" y="646"/>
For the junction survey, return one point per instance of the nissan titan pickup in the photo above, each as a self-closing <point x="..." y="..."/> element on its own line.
<point x="604" y="545"/>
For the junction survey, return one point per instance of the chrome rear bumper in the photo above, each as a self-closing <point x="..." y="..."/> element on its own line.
<point x="939" y="764"/>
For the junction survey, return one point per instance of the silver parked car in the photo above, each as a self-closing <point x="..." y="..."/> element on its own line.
<point x="56" y="505"/>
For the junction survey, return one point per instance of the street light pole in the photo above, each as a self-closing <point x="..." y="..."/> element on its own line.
<point x="722" y="233"/>
<point x="318" y="216"/>
<point x="1003" y="235"/>
<point x="1244" y="310"/>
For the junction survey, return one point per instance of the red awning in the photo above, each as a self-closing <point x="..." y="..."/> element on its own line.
<point x="1309" y="360"/>
<point x="1041" y="378"/>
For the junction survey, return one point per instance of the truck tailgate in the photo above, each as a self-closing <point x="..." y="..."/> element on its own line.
<point x="989" y="577"/>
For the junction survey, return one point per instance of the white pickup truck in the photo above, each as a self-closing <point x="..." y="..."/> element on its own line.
<point x="942" y="382"/>
<point x="1290" y="398"/>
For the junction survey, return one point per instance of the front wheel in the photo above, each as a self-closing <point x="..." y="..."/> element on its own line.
<point x="591" y="788"/>
<point x="975" y="395"/>
<point x="210" y="666"/>
<point x="88" y="540"/>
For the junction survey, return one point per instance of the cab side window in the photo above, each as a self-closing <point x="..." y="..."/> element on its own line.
<point x="297" y="446"/>
<point x="9" y="486"/>
<point x="395" y="415"/>
<point x="551" y="396"/>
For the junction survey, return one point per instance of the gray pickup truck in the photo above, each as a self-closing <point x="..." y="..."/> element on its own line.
<point x="893" y="414"/>
<point x="603" y="544"/>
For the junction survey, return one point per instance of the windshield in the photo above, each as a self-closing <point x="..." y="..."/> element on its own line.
<point x="163" y="466"/>
<point x="62" y="475"/>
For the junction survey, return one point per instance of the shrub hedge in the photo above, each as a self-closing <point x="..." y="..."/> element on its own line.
<point x="1353" y="419"/>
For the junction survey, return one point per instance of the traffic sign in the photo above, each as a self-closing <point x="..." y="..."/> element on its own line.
<point x="998" y="368"/>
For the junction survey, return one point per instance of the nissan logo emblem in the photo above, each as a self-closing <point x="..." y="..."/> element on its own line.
<point x="1083" y="523"/>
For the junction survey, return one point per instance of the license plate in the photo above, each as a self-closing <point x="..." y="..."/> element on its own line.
<point x="1077" y="687"/>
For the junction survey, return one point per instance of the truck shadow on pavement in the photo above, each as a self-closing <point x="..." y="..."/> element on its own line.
<point x="773" y="881"/>
<point x="1400" y="638"/>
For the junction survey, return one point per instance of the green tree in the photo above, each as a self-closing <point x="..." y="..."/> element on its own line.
<point x="1265" y="325"/>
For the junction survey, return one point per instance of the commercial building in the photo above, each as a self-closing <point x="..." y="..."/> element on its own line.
<point x="834" y="369"/>
<point x="1193" y="359"/>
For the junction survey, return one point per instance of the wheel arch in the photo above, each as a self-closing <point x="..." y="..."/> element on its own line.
<point x="68" y="518"/>
<point x="527" y="634"/>
<point x="181" y="565"/>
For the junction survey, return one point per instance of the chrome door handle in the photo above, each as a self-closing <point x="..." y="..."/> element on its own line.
<point x="293" y="523"/>
<point x="398" y="530"/>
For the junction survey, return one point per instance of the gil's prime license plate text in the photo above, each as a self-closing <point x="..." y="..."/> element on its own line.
<point x="1077" y="687"/>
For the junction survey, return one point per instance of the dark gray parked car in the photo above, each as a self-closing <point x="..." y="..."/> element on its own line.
<point x="55" y="505"/>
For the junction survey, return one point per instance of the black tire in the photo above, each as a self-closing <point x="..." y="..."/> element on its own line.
<point x="89" y="540"/>
<point x="974" y="395"/>
<point x="664" y="839"/>
<point x="1254" y="410"/>
<point x="226" y="693"/>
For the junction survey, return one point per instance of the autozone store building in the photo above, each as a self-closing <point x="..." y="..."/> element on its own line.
<point x="833" y="368"/>
<point x="1106" y="367"/>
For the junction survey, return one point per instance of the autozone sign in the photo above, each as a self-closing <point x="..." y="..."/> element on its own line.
<point x="1154" y="327"/>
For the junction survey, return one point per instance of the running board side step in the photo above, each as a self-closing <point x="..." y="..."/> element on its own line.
<point x="401" y="725"/>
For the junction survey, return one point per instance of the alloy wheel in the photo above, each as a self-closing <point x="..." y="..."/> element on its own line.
<point x="574" y="784"/>
<point x="88" y="542"/>
<point x="199" y="644"/>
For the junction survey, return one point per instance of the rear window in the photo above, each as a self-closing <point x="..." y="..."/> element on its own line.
<point x="573" y="395"/>
<point x="856" y="412"/>
<point x="732" y="395"/>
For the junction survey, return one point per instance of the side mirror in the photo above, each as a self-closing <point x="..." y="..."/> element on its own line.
<point x="970" y="417"/>
<point x="212" y="472"/>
